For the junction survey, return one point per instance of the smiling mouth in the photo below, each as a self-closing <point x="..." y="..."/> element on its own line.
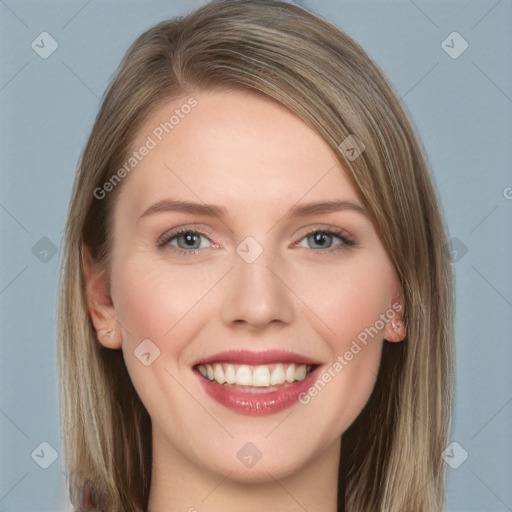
<point x="263" y="378"/>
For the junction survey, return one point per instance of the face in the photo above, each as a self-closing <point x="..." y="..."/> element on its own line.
<point x="242" y="252"/>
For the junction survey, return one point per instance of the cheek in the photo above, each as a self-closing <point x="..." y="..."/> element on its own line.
<point x="339" y="307"/>
<point x="154" y="300"/>
<point x="347" y="298"/>
<point x="348" y="303"/>
<point x="167" y="306"/>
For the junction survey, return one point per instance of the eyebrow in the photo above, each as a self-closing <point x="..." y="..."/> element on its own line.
<point x="304" y="210"/>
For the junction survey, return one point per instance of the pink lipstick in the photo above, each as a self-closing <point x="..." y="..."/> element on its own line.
<point x="256" y="383"/>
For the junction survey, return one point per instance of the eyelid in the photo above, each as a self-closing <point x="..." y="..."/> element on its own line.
<point x="340" y="232"/>
<point x="183" y="229"/>
<point x="164" y="240"/>
<point x="346" y="239"/>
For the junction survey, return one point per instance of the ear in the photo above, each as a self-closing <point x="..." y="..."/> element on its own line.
<point x="99" y="302"/>
<point x="395" y="329"/>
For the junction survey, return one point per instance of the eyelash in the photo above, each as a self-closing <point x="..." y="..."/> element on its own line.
<point x="163" y="241"/>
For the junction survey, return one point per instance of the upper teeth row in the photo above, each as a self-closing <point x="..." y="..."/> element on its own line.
<point x="258" y="376"/>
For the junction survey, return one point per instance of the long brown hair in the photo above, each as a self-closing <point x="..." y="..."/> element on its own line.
<point x="308" y="65"/>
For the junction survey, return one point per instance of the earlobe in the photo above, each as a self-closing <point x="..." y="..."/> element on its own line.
<point x="395" y="329"/>
<point x="110" y="338"/>
<point x="99" y="302"/>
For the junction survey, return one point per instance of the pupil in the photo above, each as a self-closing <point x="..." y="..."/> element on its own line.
<point x="320" y="238"/>
<point x="190" y="238"/>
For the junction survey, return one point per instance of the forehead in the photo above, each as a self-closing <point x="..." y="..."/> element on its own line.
<point x="228" y="147"/>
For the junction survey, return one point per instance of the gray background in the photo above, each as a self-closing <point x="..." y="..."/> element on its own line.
<point x="462" y="108"/>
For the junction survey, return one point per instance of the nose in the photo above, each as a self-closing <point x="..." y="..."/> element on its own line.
<point x="257" y="294"/>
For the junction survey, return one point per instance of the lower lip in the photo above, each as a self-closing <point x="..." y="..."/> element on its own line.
<point x="258" y="403"/>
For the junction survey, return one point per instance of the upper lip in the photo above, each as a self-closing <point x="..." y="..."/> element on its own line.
<point x="253" y="358"/>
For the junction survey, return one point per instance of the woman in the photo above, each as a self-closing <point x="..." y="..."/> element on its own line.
<point x="256" y="302"/>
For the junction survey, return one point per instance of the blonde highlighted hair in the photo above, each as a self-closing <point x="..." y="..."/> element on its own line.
<point x="391" y="455"/>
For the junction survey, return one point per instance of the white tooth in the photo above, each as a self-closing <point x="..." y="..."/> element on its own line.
<point x="202" y="370"/>
<point x="209" y="371"/>
<point x="244" y="376"/>
<point x="218" y="374"/>
<point x="229" y="374"/>
<point x="278" y="376"/>
<point x="261" y="376"/>
<point x="300" y="372"/>
<point x="290" y="373"/>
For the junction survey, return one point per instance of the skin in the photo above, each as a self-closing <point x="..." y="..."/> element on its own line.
<point x="250" y="155"/>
